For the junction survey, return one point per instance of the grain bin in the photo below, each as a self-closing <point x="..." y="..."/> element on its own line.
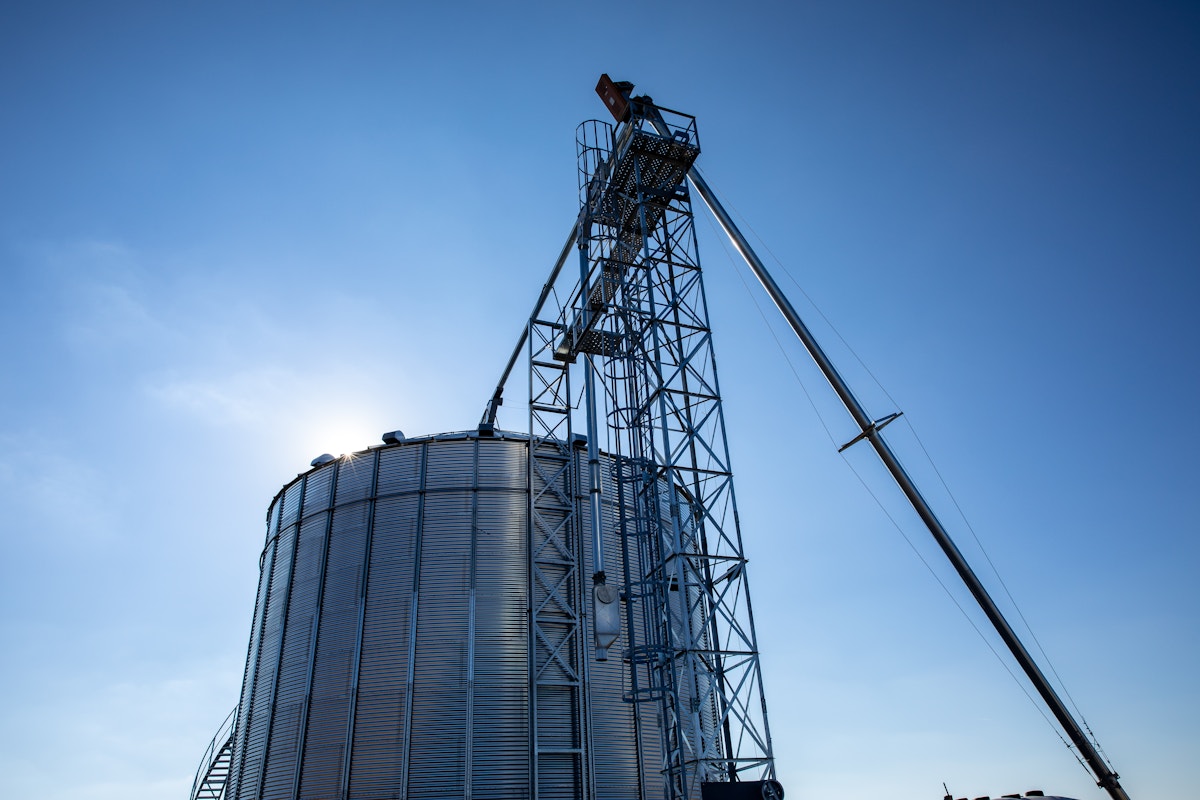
<point x="389" y="653"/>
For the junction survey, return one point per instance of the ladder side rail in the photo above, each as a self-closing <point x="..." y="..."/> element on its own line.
<point x="557" y="672"/>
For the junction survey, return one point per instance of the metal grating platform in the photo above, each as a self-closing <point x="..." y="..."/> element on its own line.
<point x="646" y="167"/>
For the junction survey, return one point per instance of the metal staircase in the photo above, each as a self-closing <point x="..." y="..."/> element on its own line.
<point x="213" y="773"/>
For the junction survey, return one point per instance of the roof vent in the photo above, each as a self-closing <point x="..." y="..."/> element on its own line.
<point x="393" y="437"/>
<point x="322" y="459"/>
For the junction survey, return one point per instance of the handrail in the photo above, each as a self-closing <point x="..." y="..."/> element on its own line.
<point x="212" y="753"/>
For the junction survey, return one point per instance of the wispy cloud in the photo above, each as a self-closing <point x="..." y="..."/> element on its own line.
<point x="48" y="489"/>
<point x="239" y="398"/>
<point x="101" y="295"/>
<point x="117" y="737"/>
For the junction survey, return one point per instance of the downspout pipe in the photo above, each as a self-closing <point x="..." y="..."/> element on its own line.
<point x="595" y="508"/>
<point x="488" y="422"/>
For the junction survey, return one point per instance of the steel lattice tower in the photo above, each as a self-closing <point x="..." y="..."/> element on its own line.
<point x="639" y="318"/>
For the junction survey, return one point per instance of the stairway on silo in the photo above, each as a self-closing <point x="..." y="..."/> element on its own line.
<point x="213" y="773"/>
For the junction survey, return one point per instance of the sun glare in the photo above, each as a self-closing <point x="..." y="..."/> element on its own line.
<point x="340" y="434"/>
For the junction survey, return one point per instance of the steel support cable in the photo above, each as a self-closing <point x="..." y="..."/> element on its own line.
<point x="892" y="519"/>
<point x="778" y="343"/>
<point x="963" y="611"/>
<point x="1016" y="607"/>
<point x="1105" y="776"/>
<point x="880" y="504"/>
<point x="810" y="300"/>
<point x="962" y="515"/>
<point x="1061" y="684"/>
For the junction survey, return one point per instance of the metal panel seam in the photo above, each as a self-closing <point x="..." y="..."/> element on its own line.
<point x="470" y="739"/>
<point x="265" y="572"/>
<point x="316" y="625"/>
<point x="362" y="607"/>
<point x="262" y="773"/>
<point x="412" y="623"/>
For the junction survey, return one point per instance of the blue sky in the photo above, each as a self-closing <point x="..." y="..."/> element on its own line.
<point x="235" y="236"/>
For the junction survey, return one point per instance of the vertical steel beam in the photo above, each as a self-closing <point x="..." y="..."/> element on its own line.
<point x="628" y="565"/>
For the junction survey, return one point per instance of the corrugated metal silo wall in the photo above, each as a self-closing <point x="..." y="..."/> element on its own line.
<point x="389" y="650"/>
